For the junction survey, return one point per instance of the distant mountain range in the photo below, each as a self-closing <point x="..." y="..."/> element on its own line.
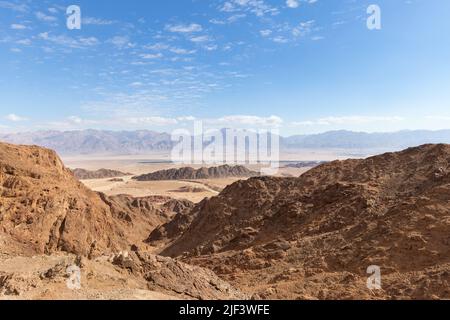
<point x="88" y="142"/>
<point x="94" y="141"/>
<point x="361" y="140"/>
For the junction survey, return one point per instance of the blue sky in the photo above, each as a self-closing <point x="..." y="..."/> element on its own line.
<point x="304" y="66"/>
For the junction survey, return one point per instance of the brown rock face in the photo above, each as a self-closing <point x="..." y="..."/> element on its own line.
<point x="44" y="209"/>
<point x="188" y="173"/>
<point x="170" y="276"/>
<point x="135" y="275"/>
<point x="314" y="236"/>
<point x="171" y="230"/>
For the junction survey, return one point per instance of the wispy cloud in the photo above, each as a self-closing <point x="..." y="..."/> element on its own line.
<point x="440" y="118"/>
<point x="16" y="26"/>
<point x="15" y="118"/>
<point x="258" y="7"/>
<point x="182" y="51"/>
<point x="24" y="42"/>
<point x="14" y="6"/>
<point x="96" y="21"/>
<point x="246" y="120"/>
<point x="183" y="28"/>
<point x="44" y="17"/>
<point x="158" y="121"/>
<point x="151" y="56"/>
<point x="200" y="39"/>
<point x="121" y="42"/>
<point x="303" y="28"/>
<point x="65" y="41"/>
<point x="345" y="120"/>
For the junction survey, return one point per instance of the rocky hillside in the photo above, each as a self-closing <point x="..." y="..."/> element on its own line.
<point x="311" y="237"/>
<point x="122" y="276"/>
<point x="44" y="209"/>
<point x="171" y="230"/>
<point x="83" y="174"/>
<point x="50" y="222"/>
<point x="188" y="173"/>
<point x="316" y="235"/>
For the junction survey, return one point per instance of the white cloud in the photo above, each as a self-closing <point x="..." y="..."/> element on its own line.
<point x="228" y="7"/>
<point x="247" y="120"/>
<point x="72" y="122"/>
<point x="65" y="41"/>
<point x="24" y="42"/>
<point x="14" y="6"/>
<point x="44" y="17"/>
<point x="76" y="122"/>
<point x="182" y="28"/>
<point x="181" y="51"/>
<point x="15" y="118"/>
<point x="265" y="33"/>
<point x="217" y="21"/>
<point x="258" y="7"/>
<point x="96" y="21"/>
<point x="157" y="46"/>
<point x="441" y="117"/>
<point x="151" y="56"/>
<point x="280" y="39"/>
<point x="200" y="39"/>
<point x="347" y="120"/>
<point x="292" y="4"/>
<point x="157" y="121"/>
<point x="303" y="28"/>
<point x="15" y="26"/>
<point x="236" y="17"/>
<point x="121" y="42"/>
<point x="186" y="118"/>
<point x="211" y="47"/>
<point x="75" y="119"/>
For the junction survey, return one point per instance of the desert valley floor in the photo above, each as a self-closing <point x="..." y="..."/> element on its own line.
<point x="178" y="189"/>
<point x="193" y="190"/>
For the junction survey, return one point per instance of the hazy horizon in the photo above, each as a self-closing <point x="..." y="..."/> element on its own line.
<point x="187" y="127"/>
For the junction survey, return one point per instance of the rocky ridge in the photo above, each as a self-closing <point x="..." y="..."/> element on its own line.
<point x="83" y="174"/>
<point x="188" y="173"/>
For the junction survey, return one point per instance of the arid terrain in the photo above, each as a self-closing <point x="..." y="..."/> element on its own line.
<point x="192" y="189"/>
<point x="305" y="234"/>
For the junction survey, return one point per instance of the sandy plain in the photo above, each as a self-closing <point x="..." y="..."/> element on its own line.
<point x="194" y="191"/>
